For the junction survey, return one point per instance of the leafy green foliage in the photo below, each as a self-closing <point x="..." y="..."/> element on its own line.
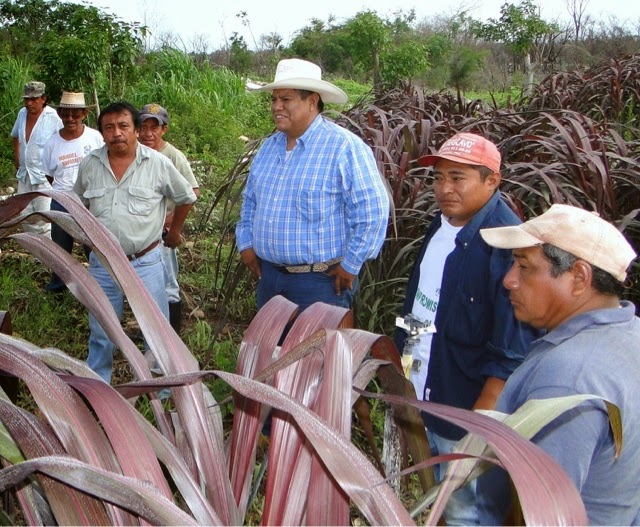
<point x="518" y="27"/>
<point x="77" y="47"/>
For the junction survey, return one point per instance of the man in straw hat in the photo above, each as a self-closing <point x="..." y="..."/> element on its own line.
<point x="36" y="122"/>
<point x="455" y="287"/>
<point x="315" y="207"/>
<point x="567" y="278"/>
<point x="60" y="160"/>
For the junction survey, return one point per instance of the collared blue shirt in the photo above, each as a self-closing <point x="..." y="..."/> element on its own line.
<point x="324" y="199"/>
<point x="596" y="352"/>
<point x="477" y="335"/>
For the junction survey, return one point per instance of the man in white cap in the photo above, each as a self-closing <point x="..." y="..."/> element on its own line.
<point x="567" y="278"/>
<point x="36" y="122"/>
<point x="315" y="207"/>
<point x="154" y="125"/>
<point x="60" y="160"/>
<point x="455" y="288"/>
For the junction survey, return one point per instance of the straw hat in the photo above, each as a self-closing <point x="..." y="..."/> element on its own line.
<point x="300" y="74"/>
<point x="72" y="100"/>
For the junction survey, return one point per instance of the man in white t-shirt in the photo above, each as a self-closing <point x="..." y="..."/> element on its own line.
<point x="475" y="341"/>
<point x="154" y="124"/>
<point x="60" y="159"/>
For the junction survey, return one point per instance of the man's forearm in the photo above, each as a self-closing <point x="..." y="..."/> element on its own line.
<point x="489" y="394"/>
<point x="179" y="216"/>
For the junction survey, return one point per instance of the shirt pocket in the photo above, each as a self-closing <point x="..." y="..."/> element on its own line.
<point x="472" y="320"/>
<point x="141" y="201"/>
<point x="97" y="200"/>
<point x="317" y="206"/>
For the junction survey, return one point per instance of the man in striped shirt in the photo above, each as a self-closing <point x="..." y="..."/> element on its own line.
<point x="315" y="207"/>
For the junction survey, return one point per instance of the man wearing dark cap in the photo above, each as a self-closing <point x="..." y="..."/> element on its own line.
<point x="155" y="124"/>
<point x="315" y="207"/>
<point x="569" y="267"/>
<point x="35" y="124"/>
<point x="455" y="289"/>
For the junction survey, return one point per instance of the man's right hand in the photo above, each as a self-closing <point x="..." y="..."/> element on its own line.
<point x="250" y="259"/>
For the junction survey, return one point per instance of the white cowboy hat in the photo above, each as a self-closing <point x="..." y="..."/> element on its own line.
<point x="300" y="74"/>
<point x="72" y="100"/>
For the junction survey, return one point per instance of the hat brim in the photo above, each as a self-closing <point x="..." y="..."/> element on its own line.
<point x="512" y="237"/>
<point x="73" y="106"/>
<point x="145" y="116"/>
<point x="431" y="160"/>
<point x="327" y="91"/>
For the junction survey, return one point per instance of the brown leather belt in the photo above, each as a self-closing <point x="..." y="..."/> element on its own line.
<point x="308" y="268"/>
<point x="143" y="251"/>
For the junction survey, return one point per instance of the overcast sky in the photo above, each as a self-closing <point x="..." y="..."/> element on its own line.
<point x="215" y="20"/>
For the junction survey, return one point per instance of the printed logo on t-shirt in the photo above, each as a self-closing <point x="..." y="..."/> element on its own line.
<point x="430" y="304"/>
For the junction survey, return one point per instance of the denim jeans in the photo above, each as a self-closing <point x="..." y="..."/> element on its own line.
<point x="151" y="271"/>
<point x="461" y="508"/>
<point x="63" y="239"/>
<point x="302" y="289"/>
<point x="170" y="262"/>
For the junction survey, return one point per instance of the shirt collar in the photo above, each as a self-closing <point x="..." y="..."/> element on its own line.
<point x="470" y="230"/>
<point x="597" y="317"/>
<point x="308" y="133"/>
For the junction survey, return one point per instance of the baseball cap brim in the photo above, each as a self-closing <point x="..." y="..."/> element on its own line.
<point x="431" y="160"/>
<point x="512" y="237"/>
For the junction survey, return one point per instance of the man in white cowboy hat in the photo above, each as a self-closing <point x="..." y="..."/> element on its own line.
<point x="154" y="125"/>
<point x="60" y="160"/>
<point x="567" y="278"/>
<point x="315" y="207"/>
<point x="36" y="122"/>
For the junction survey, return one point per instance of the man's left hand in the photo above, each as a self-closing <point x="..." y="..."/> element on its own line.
<point x="172" y="239"/>
<point x="344" y="279"/>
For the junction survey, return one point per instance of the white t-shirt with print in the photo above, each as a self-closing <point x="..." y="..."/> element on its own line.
<point x="61" y="158"/>
<point x="427" y="297"/>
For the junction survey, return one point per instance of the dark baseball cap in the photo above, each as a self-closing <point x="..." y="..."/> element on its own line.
<point x="154" y="111"/>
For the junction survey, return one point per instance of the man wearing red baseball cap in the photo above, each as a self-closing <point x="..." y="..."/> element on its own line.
<point x="455" y="289"/>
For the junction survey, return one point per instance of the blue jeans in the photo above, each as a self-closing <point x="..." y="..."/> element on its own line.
<point x="461" y="508"/>
<point x="170" y="262"/>
<point x="302" y="289"/>
<point x="151" y="271"/>
<point x="63" y="239"/>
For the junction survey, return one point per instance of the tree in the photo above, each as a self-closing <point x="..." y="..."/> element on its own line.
<point x="240" y="58"/>
<point x="368" y="36"/>
<point x="524" y="32"/>
<point x="576" y="10"/>
<point x="77" y="47"/>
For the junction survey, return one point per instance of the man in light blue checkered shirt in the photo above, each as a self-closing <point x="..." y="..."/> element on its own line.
<point x="315" y="207"/>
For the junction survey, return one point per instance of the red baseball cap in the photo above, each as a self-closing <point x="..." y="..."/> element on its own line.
<point x="467" y="149"/>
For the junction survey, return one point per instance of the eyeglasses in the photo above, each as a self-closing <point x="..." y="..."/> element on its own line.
<point x="66" y="112"/>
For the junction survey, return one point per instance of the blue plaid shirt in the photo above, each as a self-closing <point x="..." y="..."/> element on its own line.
<point x="324" y="199"/>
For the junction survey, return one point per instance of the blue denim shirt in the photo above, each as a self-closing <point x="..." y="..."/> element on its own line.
<point x="477" y="335"/>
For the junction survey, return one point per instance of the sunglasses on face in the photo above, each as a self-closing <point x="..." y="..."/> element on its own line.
<point x="66" y="112"/>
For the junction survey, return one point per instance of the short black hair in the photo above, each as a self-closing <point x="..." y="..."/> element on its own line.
<point x="561" y="261"/>
<point x="120" y="107"/>
<point x="304" y="94"/>
<point x="485" y="172"/>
